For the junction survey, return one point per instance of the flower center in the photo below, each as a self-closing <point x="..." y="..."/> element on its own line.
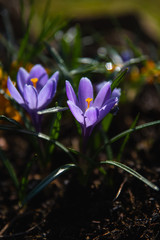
<point x="88" y="100"/>
<point x="34" y="81"/>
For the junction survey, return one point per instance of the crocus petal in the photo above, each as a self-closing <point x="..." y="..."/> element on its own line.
<point x="76" y="111"/>
<point x="107" y="108"/>
<point x="116" y="92"/>
<point x="14" y="92"/>
<point x="38" y="72"/>
<point x="91" y="116"/>
<point x="103" y="95"/>
<point x="70" y="93"/>
<point x="98" y="86"/>
<point x="22" y="77"/>
<point x="85" y="91"/>
<point x="56" y="77"/>
<point x="46" y="94"/>
<point x="30" y="97"/>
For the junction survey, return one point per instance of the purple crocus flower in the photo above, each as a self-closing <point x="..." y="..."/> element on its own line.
<point x="36" y="91"/>
<point x="87" y="111"/>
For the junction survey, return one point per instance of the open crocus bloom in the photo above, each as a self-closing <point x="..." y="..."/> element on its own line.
<point x="85" y="109"/>
<point x="36" y="90"/>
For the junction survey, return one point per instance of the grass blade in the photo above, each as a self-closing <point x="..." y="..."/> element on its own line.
<point x="52" y="176"/>
<point x="108" y="147"/>
<point x="126" y="139"/>
<point x="60" y="62"/>
<point x="134" y="61"/>
<point x="53" y="110"/>
<point x="132" y="172"/>
<point x="39" y="135"/>
<point x="10" y="120"/>
<point x="123" y="134"/>
<point x="118" y="79"/>
<point x="54" y="133"/>
<point x="10" y="169"/>
<point x="118" y="136"/>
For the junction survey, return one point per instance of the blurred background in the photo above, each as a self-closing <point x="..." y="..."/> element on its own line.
<point x="146" y="11"/>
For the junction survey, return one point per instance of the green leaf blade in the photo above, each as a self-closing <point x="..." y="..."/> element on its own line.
<point x="118" y="79"/>
<point x="132" y="172"/>
<point x="120" y="135"/>
<point x="53" y="110"/>
<point x="51" y="177"/>
<point x="127" y="138"/>
<point x="10" y="169"/>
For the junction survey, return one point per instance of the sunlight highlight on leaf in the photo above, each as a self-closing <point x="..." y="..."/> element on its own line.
<point x="132" y="172"/>
<point x="52" y="176"/>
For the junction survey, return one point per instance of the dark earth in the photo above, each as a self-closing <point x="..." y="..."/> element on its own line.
<point x="116" y="206"/>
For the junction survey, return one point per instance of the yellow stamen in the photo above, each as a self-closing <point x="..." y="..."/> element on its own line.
<point x="88" y="100"/>
<point x="34" y="81"/>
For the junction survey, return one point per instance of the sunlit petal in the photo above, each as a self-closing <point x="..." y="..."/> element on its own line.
<point x="30" y="97"/>
<point x="70" y="93"/>
<point x="76" y="111"/>
<point x="47" y="93"/>
<point x="116" y="92"/>
<point x="107" y="108"/>
<point x="14" y="92"/>
<point x="85" y="91"/>
<point x="103" y="95"/>
<point x="22" y="78"/>
<point x="55" y="76"/>
<point x="91" y="116"/>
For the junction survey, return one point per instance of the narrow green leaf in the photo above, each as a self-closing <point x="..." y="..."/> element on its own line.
<point x="136" y="50"/>
<point x="77" y="48"/>
<point x="52" y="176"/>
<point x="132" y="172"/>
<point x="108" y="146"/>
<point x="9" y="32"/>
<point x="59" y="60"/>
<point x="133" y="61"/>
<point x="107" y="122"/>
<point x="58" y="144"/>
<point x="10" y="169"/>
<point x="25" y="41"/>
<point x="39" y="135"/>
<point x="126" y="139"/>
<point x="54" y="132"/>
<point x="118" y="136"/>
<point x="53" y="110"/>
<point x="118" y="79"/>
<point x="8" y="45"/>
<point x="82" y="70"/>
<point x="88" y="61"/>
<point x="123" y="134"/>
<point x="24" y="180"/>
<point x="2" y="117"/>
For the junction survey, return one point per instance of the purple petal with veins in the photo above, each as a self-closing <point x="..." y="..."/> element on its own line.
<point x="14" y="92"/>
<point x="85" y="91"/>
<point x="76" y="111"/>
<point x="22" y="79"/>
<point x="70" y="93"/>
<point x="30" y="97"/>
